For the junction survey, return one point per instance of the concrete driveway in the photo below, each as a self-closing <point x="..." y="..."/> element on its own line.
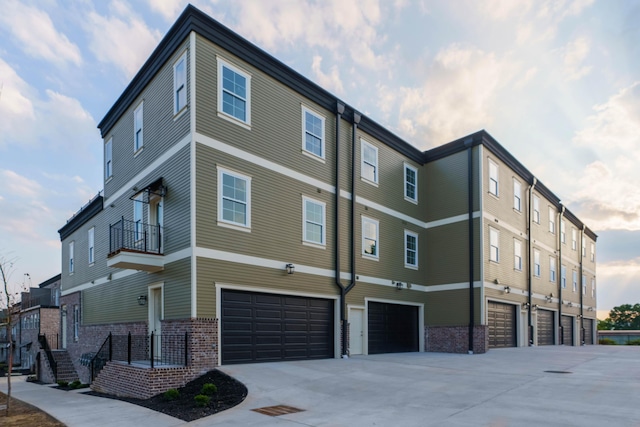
<point x="506" y="387"/>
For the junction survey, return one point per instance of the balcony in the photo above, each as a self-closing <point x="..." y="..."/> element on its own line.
<point x="135" y="246"/>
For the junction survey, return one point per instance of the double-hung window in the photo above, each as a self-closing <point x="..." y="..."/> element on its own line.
<point x="584" y="285"/>
<point x="410" y="249"/>
<point x="108" y="159"/>
<point x="138" y="205"/>
<point x="71" y="264"/>
<point x="552" y="220"/>
<point x="76" y="321"/>
<point x="584" y="247"/>
<point x="494" y="243"/>
<point x="234" y="92"/>
<point x="574" y="239"/>
<point x="575" y="281"/>
<point x="234" y="198"/>
<point x="370" y="238"/>
<point x="410" y="183"/>
<point x="517" y="195"/>
<point x="138" y="140"/>
<point x="180" y="84"/>
<point x="536" y="263"/>
<point x="563" y="276"/>
<point x="91" y="239"/>
<point x="552" y="269"/>
<point x="593" y="288"/>
<point x="517" y="255"/>
<point x="369" y="163"/>
<point x="593" y="252"/>
<point x="536" y="209"/>
<point x="563" y="231"/>
<point x="313" y="221"/>
<point x="313" y="133"/>
<point x="493" y="178"/>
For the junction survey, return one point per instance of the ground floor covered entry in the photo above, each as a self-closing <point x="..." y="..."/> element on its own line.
<point x="501" y="319"/>
<point x="264" y="327"/>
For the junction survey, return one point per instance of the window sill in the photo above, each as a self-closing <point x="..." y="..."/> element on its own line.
<point x="518" y="211"/>
<point x="495" y="196"/>
<point x="92" y="264"/>
<point x="371" y="257"/>
<point x="108" y="180"/>
<point x="180" y="113"/>
<point x="313" y="156"/>
<point x="234" y="226"/>
<point x="409" y="199"/>
<point x="232" y="119"/>
<point x="411" y="267"/>
<point x="137" y="152"/>
<point x="314" y="245"/>
<point x="363" y="179"/>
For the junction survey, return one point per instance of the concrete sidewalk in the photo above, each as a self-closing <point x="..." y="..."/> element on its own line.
<point x="506" y="387"/>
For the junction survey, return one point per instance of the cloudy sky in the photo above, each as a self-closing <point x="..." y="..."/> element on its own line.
<point x="557" y="82"/>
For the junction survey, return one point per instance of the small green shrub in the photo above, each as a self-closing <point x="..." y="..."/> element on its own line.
<point x="63" y="383"/>
<point x="32" y="378"/>
<point x="171" y="394"/>
<point x="75" y="384"/>
<point x="607" y="341"/>
<point x="202" y="400"/>
<point x="209" y="389"/>
<point x="634" y="342"/>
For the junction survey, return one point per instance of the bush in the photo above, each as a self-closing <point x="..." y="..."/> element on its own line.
<point x="209" y="389"/>
<point x="607" y="341"/>
<point x="75" y="384"/>
<point x="171" y="394"/>
<point x="63" y="383"/>
<point x="634" y="342"/>
<point x="202" y="400"/>
<point x="32" y="379"/>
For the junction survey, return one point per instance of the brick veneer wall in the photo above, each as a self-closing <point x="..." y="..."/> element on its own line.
<point x="141" y="382"/>
<point x="455" y="339"/>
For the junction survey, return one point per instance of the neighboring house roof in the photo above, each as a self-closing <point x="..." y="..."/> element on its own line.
<point x="85" y="213"/>
<point x="51" y="281"/>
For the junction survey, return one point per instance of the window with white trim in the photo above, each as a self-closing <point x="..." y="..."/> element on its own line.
<point x="313" y="219"/>
<point x="517" y="195"/>
<point x="517" y="254"/>
<point x="552" y="220"/>
<point x="584" y="247"/>
<point x="71" y="257"/>
<point x="574" y="239"/>
<point x="494" y="245"/>
<point x="575" y="281"/>
<point x="552" y="269"/>
<point x="563" y="276"/>
<point x="234" y="198"/>
<point x="593" y="287"/>
<point x="312" y="133"/>
<point x="563" y="231"/>
<point x="493" y="178"/>
<point x="76" y="321"/>
<point x="410" y="249"/>
<point x="138" y="131"/>
<point x="369" y="162"/>
<point x="593" y="252"/>
<point x="370" y="243"/>
<point x="138" y="206"/>
<point x="584" y="285"/>
<point x="410" y="183"/>
<point x="91" y="240"/>
<point x="536" y="209"/>
<point x="108" y="159"/>
<point x="180" y="84"/>
<point x="536" y="263"/>
<point x="234" y="92"/>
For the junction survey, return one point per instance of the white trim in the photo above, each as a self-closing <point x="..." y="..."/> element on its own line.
<point x="452" y="286"/>
<point x="518" y="195"/>
<point x="223" y="63"/>
<point x="376" y="254"/>
<point x="376" y="173"/>
<point x="91" y="245"/>
<point x="497" y="245"/>
<point x="178" y="111"/>
<point x="495" y="221"/>
<point x="323" y="138"/>
<point x="417" y="263"/>
<point x="323" y="237"/>
<point x="192" y="176"/>
<point x="404" y="181"/>
<point x="497" y="180"/>
<point x="401" y="302"/>
<point x="140" y="108"/>
<point x="146" y="171"/>
<point x="365" y="327"/>
<point x="247" y="202"/>
<point x="483" y="311"/>
<point x="108" y="143"/>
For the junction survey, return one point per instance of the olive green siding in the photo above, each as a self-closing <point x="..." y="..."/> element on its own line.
<point x="451" y="308"/>
<point x="367" y="290"/>
<point x="117" y="300"/>
<point x="160" y="129"/>
<point x="447" y="257"/>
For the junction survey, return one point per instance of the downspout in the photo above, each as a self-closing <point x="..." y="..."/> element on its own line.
<point x="560" y="328"/>
<point x="582" y="284"/>
<point x="529" y="271"/>
<point x="339" y="112"/>
<point x="469" y="145"/>
<point x="356" y="121"/>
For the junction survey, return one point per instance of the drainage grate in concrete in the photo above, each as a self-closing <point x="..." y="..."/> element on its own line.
<point x="559" y="372"/>
<point x="275" y="411"/>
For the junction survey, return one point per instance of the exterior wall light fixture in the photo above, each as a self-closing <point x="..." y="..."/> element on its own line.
<point x="507" y="289"/>
<point x="526" y="306"/>
<point x="535" y="307"/>
<point x="142" y="300"/>
<point x="398" y="285"/>
<point x="549" y="297"/>
<point x="569" y="304"/>
<point x="290" y="268"/>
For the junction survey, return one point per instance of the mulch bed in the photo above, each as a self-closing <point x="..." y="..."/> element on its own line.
<point x="230" y="393"/>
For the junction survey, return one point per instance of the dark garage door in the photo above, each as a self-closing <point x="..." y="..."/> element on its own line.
<point x="545" y="327"/>
<point x="393" y="328"/>
<point x="588" y="331"/>
<point x="259" y="327"/>
<point x="567" y="330"/>
<point x="502" y="325"/>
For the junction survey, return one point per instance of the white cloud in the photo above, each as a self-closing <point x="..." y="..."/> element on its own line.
<point x="329" y="81"/>
<point x="16" y="108"/>
<point x="169" y="9"/>
<point x="18" y="185"/>
<point x="574" y="55"/>
<point x="122" y="38"/>
<point x="35" y="30"/>
<point x="617" y="284"/>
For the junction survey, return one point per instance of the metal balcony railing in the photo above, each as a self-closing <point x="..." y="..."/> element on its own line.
<point x="135" y="236"/>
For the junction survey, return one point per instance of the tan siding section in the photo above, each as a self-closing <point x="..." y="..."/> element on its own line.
<point x="447" y="255"/>
<point x="451" y="308"/>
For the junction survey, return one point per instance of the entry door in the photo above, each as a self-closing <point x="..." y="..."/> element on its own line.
<point x="155" y="320"/>
<point x="356" y="331"/>
<point x="156" y="219"/>
<point x="64" y="326"/>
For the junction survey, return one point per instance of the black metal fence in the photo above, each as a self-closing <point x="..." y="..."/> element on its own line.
<point x="135" y="236"/>
<point x="147" y="350"/>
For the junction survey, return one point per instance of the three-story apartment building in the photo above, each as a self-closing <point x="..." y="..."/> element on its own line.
<point x="269" y="220"/>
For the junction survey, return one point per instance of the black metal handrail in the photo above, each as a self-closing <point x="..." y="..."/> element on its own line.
<point x="42" y="339"/>
<point x="101" y="357"/>
<point x="135" y="236"/>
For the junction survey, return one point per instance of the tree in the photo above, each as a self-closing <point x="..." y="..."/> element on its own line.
<point x="623" y="317"/>
<point x="9" y="300"/>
